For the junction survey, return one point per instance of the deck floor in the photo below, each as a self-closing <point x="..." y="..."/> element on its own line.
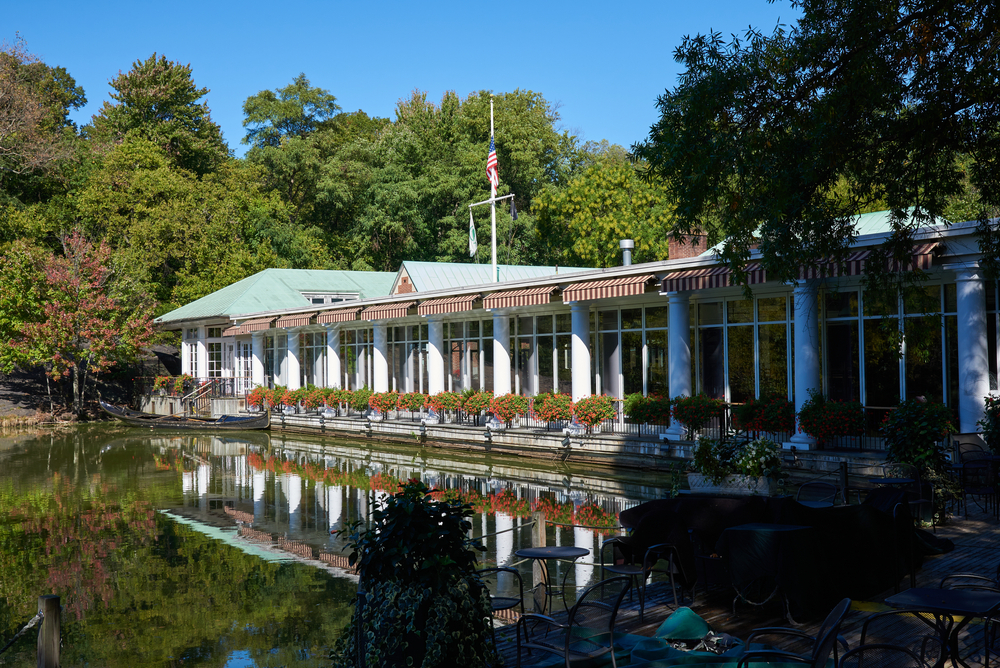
<point x="977" y="550"/>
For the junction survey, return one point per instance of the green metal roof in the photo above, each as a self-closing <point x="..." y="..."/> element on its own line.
<point x="281" y="290"/>
<point x="444" y="275"/>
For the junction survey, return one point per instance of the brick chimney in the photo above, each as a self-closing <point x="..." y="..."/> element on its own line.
<point x="692" y="245"/>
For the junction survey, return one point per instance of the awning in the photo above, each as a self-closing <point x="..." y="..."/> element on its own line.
<point x="854" y="265"/>
<point x="386" y="311"/>
<point x="256" y="325"/>
<point x="232" y="331"/>
<point x="623" y="286"/>
<point x="448" y="304"/>
<point x="295" y="320"/>
<point x="338" y="315"/>
<point x="697" y="279"/>
<point x="526" y="297"/>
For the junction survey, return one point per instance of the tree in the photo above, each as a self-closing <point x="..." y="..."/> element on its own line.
<point x="583" y="221"/>
<point x="21" y="297"/>
<point x="90" y="322"/>
<point x="292" y="111"/>
<point x="157" y="100"/>
<point x="899" y="100"/>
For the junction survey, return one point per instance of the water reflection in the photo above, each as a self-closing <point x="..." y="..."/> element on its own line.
<point x="241" y="568"/>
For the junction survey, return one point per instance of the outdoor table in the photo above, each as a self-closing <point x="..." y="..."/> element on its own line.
<point x="765" y="560"/>
<point x="540" y="556"/>
<point x="966" y="604"/>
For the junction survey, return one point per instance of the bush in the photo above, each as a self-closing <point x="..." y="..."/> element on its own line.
<point x="772" y="413"/>
<point x="256" y="396"/>
<point x="551" y="407"/>
<point x="990" y="424"/>
<point x="696" y="411"/>
<point x="358" y="399"/>
<point x="824" y="419"/>
<point x="653" y="409"/>
<point x="711" y="461"/>
<point x="914" y="434"/>
<point x="413" y="401"/>
<point x="446" y="401"/>
<point x="182" y="382"/>
<point x="384" y="402"/>
<point x="474" y="403"/>
<point x="508" y="406"/>
<point x="161" y="382"/>
<point x="595" y="409"/>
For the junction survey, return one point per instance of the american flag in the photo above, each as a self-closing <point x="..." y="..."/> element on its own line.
<point x="491" y="167"/>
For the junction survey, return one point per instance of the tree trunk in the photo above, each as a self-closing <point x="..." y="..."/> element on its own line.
<point x="77" y="403"/>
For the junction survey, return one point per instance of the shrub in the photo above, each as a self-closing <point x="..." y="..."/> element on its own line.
<point x="757" y="458"/>
<point x="160" y="382"/>
<point x="914" y="432"/>
<point x="595" y="409"/>
<point x="384" y="402"/>
<point x="445" y="401"/>
<point x="312" y="397"/>
<point x="358" y="399"/>
<point x="508" y="406"/>
<point x="257" y="396"/>
<point x="824" y="419"/>
<point x="990" y="424"/>
<point x="696" y="411"/>
<point x="712" y="461"/>
<point x="771" y="413"/>
<point x="552" y="407"/>
<point x="413" y="401"/>
<point x="475" y="403"/>
<point x="653" y="409"/>
<point x="182" y="381"/>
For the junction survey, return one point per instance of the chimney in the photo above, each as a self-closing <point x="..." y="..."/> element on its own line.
<point x="626" y="245"/>
<point x="690" y="245"/>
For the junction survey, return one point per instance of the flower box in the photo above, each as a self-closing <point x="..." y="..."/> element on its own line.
<point x="731" y="485"/>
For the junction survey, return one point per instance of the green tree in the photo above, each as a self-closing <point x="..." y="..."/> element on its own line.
<point x="583" y="221"/>
<point x="158" y="100"/>
<point x="886" y="96"/>
<point x="21" y="298"/>
<point x="293" y="111"/>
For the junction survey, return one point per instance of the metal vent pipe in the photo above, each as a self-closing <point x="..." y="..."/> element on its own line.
<point x="626" y="245"/>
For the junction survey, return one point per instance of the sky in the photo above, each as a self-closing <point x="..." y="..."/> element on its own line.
<point x="601" y="64"/>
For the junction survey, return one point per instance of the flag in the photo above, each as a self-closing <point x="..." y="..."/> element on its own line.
<point x="513" y="210"/>
<point x="473" y="242"/>
<point x="491" y="167"/>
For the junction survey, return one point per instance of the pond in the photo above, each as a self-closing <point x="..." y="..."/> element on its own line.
<point x="199" y="549"/>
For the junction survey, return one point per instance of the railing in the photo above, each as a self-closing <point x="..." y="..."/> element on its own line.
<point x="221" y="388"/>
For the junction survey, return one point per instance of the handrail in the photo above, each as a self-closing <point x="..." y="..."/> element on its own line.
<point x="201" y="390"/>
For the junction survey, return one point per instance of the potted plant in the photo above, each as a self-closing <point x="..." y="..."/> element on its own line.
<point x="551" y="408"/>
<point x="771" y="414"/>
<point x="914" y="433"/>
<point x="695" y="412"/>
<point x="825" y="419"/>
<point x="653" y="409"/>
<point x="593" y="410"/>
<point x="725" y="467"/>
<point x="445" y="401"/>
<point x="420" y="601"/>
<point x="474" y="403"/>
<point x="160" y="385"/>
<point x="508" y="406"/>
<point x="383" y="402"/>
<point x="413" y="401"/>
<point x="990" y="424"/>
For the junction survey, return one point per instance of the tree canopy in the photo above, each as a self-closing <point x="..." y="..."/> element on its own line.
<point x="781" y="139"/>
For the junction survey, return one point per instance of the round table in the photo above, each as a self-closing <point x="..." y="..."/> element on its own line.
<point x="541" y="555"/>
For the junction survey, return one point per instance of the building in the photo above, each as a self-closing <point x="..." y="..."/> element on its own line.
<point x="673" y="327"/>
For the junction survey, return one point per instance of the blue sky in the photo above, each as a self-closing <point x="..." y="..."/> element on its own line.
<point x="602" y="63"/>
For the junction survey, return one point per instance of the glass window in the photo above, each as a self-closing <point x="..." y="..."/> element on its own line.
<point x="610" y="363"/>
<point x="773" y="350"/>
<point x="488" y="358"/>
<point x="349" y="336"/>
<point x="473" y="329"/>
<point x="740" y="311"/>
<point x="564" y="363"/>
<point x="923" y="300"/>
<point x="545" y="368"/>
<point x="423" y="332"/>
<point x="841" y="304"/>
<point x="843" y="361"/>
<point x="214" y="332"/>
<point x="632" y="318"/>
<point x="741" y="364"/>
<point x="657" y="316"/>
<point x="881" y="366"/>
<point x="525" y="366"/>
<point x="608" y="320"/>
<point x="214" y="360"/>
<point x="543" y="324"/>
<point x="712" y="362"/>
<point x="951" y="357"/>
<point x="951" y="299"/>
<point x="487" y="329"/>
<point x="524" y="325"/>
<point x="923" y="358"/>
<point x="771" y="309"/>
<point x="710" y="314"/>
<point x="631" y="354"/>
<point x="656" y="349"/>
<point x="564" y="323"/>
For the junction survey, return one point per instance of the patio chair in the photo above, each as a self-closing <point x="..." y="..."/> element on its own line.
<point x="881" y="655"/>
<point x="817" y="494"/>
<point x="914" y="630"/>
<point x="624" y="561"/>
<point x="499" y="582"/>
<point x="991" y="626"/>
<point x="588" y="633"/>
<point x="821" y="646"/>
<point x="979" y="482"/>
<point x="919" y="493"/>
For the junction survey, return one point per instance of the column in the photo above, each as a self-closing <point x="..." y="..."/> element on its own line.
<point x="380" y="365"/>
<point x="501" y="353"/>
<point x="580" y="348"/>
<point x="435" y="356"/>
<point x="294" y="486"/>
<point x="259" y="485"/>
<point x="293" y="371"/>
<point x="973" y="347"/>
<point x="806" y="356"/>
<point x="257" y="358"/>
<point x="334" y="375"/>
<point x="202" y="352"/>
<point x="678" y="353"/>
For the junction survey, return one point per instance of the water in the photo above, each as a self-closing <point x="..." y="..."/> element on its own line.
<point x="199" y="549"/>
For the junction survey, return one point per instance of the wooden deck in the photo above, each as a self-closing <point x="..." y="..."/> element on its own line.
<point x="977" y="550"/>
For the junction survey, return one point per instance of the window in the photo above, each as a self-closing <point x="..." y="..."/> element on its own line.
<point x="214" y="359"/>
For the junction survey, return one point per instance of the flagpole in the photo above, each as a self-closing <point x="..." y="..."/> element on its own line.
<point x="493" y="210"/>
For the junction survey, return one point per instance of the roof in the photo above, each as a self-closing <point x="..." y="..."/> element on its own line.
<point x="444" y="275"/>
<point x="280" y="290"/>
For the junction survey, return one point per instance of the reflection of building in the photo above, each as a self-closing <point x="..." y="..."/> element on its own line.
<point x="673" y="327"/>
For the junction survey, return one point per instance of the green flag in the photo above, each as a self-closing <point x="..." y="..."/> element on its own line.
<point x="473" y="243"/>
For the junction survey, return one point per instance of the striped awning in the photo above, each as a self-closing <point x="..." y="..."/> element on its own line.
<point x="386" y="311"/>
<point x="711" y="277"/>
<point x="256" y="325"/>
<point x="448" y="304"/>
<point x="623" y="286"/>
<point x="338" y="315"/>
<point x="922" y="258"/>
<point x="232" y="331"/>
<point x="526" y="297"/>
<point x="295" y="320"/>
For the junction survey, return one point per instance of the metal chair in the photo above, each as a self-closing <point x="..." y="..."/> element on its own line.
<point x="916" y="631"/>
<point x="623" y="562"/>
<point x="978" y="480"/>
<point x="881" y="655"/>
<point x="991" y="626"/>
<point x="588" y="633"/>
<point x="502" y="597"/>
<point x="919" y="493"/>
<point x="820" y="646"/>
<point x="817" y="494"/>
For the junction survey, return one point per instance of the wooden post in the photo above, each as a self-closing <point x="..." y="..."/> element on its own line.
<point x="539" y="574"/>
<point x="48" y="633"/>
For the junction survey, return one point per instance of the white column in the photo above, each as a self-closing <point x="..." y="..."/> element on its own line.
<point x="334" y="375"/>
<point x="435" y="356"/>
<point x="806" y="357"/>
<point x="679" y="353"/>
<point x="973" y="347"/>
<point x="583" y="571"/>
<point x="336" y="505"/>
<point x="202" y="353"/>
<point x="501" y="353"/>
<point x="294" y="489"/>
<point x="185" y="353"/>
<point x="259" y="485"/>
<point x="380" y="365"/>
<point x="257" y="358"/>
<point x="580" y="347"/>
<point x="293" y="370"/>
<point x="504" y="541"/>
